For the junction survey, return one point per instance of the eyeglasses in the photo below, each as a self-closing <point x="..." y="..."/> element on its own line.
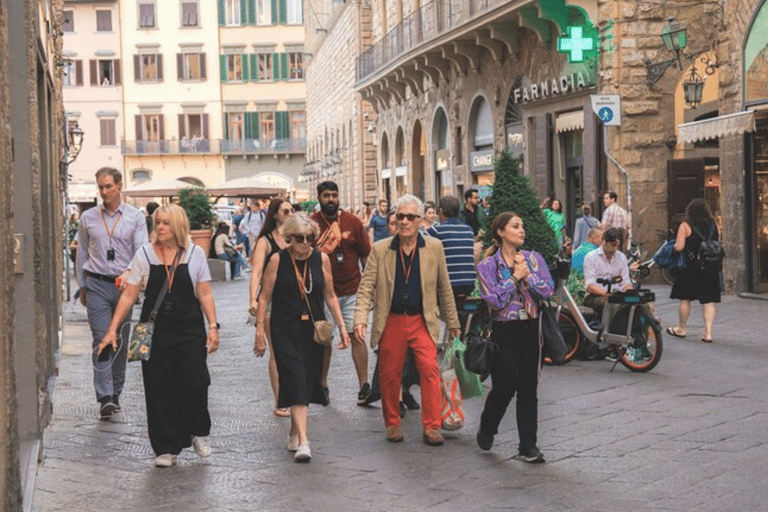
<point x="287" y="211"/>
<point x="410" y="216"/>
<point x="300" y="238"/>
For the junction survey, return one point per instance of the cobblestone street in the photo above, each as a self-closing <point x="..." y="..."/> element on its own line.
<point x="688" y="436"/>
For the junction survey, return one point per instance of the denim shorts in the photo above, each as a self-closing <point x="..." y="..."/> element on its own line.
<point x="347" y="303"/>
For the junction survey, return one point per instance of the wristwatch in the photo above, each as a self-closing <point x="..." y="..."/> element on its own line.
<point x="216" y="326"/>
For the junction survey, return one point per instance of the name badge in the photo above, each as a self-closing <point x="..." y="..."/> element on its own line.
<point x="522" y="315"/>
<point x="339" y="258"/>
<point x="110" y="254"/>
<point x="304" y="316"/>
<point x="405" y="300"/>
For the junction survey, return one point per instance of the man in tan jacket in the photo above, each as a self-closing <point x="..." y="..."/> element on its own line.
<point x="403" y="279"/>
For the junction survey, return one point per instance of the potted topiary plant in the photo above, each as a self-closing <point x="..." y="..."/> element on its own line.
<point x="201" y="217"/>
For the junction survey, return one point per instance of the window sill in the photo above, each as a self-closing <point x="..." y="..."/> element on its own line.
<point x="190" y="27"/>
<point x="192" y="80"/>
<point x="147" y="28"/>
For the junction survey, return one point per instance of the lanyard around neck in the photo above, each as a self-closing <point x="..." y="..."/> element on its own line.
<point x="170" y="275"/>
<point x="407" y="272"/>
<point x="301" y="280"/>
<point x="114" y="226"/>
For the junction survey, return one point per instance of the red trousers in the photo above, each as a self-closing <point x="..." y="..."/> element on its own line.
<point x="400" y="333"/>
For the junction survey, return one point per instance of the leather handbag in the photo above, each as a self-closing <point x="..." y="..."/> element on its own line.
<point x="478" y="356"/>
<point x="229" y="250"/>
<point x="667" y="257"/>
<point x="323" y="328"/>
<point x="140" y="346"/>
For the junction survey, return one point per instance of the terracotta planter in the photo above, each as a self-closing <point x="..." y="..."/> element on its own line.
<point x="202" y="237"/>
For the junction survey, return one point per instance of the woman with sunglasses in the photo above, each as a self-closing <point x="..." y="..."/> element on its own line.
<point x="303" y="277"/>
<point x="270" y="241"/>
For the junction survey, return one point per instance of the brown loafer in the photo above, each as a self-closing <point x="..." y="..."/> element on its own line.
<point x="433" y="437"/>
<point x="394" y="434"/>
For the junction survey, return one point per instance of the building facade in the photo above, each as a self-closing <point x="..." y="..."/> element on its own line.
<point x="262" y="75"/>
<point x="171" y="97"/>
<point x="32" y="234"/>
<point x="92" y="77"/>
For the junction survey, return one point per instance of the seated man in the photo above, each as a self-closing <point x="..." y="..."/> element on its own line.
<point x="605" y="262"/>
<point x="575" y="283"/>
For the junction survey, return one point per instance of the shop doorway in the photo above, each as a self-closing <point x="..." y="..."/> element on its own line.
<point x="760" y="199"/>
<point x="418" y="150"/>
<point x="685" y="181"/>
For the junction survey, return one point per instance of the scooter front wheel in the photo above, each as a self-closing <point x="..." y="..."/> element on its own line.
<point x="644" y="352"/>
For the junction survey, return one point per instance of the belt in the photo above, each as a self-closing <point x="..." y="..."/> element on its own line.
<point x="406" y="313"/>
<point x="101" y="277"/>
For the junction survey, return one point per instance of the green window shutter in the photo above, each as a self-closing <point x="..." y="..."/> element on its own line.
<point x="222" y="13"/>
<point x="244" y="59"/>
<point x="254" y="67"/>
<point x="276" y="67"/>
<point x="226" y="125"/>
<point x="255" y="125"/>
<point x="282" y="125"/>
<point x="243" y="12"/>
<point x="223" y="68"/>
<point x="284" y="66"/>
<point x="283" y="11"/>
<point x="274" y="11"/>
<point x="251" y="12"/>
<point x="247" y="125"/>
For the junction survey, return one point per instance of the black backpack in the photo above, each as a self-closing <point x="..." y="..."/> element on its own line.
<point x="711" y="253"/>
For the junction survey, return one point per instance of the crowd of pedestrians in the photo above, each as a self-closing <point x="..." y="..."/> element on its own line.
<point x="383" y="277"/>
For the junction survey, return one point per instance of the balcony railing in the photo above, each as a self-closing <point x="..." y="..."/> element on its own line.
<point x="212" y="146"/>
<point x="253" y="146"/>
<point x="430" y="21"/>
<point x="170" y="147"/>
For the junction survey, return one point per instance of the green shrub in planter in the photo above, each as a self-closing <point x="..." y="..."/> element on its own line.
<point x="198" y="207"/>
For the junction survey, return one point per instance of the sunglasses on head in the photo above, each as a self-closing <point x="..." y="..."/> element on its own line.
<point x="300" y="238"/>
<point x="410" y="216"/>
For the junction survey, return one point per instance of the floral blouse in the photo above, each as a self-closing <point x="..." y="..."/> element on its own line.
<point x="504" y="297"/>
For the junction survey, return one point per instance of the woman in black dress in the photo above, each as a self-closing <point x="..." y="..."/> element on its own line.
<point x="691" y="282"/>
<point x="270" y="241"/>
<point x="293" y="277"/>
<point x="176" y="377"/>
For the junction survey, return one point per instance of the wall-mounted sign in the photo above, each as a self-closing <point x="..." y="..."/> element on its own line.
<point x="514" y="139"/>
<point x="401" y="171"/>
<point x="575" y="44"/>
<point x="386" y="174"/>
<point x="481" y="160"/>
<point x="607" y="108"/>
<point x="565" y="84"/>
<point x="442" y="159"/>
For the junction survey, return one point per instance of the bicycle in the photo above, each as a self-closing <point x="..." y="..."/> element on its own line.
<point x="631" y="330"/>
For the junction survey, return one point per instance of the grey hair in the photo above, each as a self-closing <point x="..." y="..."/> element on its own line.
<point x="299" y="223"/>
<point x="409" y="200"/>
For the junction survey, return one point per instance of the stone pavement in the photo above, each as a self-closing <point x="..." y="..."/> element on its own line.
<point x="688" y="436"/>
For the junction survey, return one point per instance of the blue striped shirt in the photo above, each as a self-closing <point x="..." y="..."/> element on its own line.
<point x="459" y="245"/>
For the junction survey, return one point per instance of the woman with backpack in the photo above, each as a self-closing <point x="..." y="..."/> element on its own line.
<point x="699" y="279"/>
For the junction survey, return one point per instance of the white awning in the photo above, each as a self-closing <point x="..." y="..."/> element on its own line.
<point x="729" y="124"/>
<point x="570" y="121"/>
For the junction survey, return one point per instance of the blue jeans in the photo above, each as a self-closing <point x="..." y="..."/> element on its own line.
<point x="236" y="263"/>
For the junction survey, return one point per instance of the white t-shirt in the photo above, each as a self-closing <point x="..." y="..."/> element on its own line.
<point x="196" y="261"/>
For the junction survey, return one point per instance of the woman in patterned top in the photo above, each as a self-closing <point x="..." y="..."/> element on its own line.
<point x="512" y="281"/>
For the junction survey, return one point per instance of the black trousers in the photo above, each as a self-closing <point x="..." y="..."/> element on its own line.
<point x="176" y="381"/>
<point x="514" y="370"/>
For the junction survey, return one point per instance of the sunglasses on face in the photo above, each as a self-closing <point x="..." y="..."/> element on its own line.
<point x="410" y="216"/>
<point x="301" y="238"/>
<point x="287" y="211"/>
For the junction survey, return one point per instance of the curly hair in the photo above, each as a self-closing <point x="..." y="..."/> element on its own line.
<point x="697" y="213"/>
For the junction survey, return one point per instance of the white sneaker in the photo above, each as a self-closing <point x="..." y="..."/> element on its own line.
<point x="165" y="460"/>
<point x="201" y="447"/>
<point x="303" y="454"/>
<point x="293" y="443"/>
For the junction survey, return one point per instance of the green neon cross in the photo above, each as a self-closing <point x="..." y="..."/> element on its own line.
<point x="575" y="43"/>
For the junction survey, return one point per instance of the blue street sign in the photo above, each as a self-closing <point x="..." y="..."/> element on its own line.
<point x="605" y="114"/>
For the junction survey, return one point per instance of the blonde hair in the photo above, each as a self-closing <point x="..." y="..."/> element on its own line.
<point x="178" y="222"/>
<point x="298" y="223"/>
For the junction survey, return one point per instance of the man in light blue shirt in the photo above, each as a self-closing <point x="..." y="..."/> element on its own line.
<point x="107" y="239"/>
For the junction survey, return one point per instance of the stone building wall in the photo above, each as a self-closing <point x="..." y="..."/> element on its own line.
<point x="10" y="482"/>
<point x="336" y="116"/>
<point x="631" y="35"/>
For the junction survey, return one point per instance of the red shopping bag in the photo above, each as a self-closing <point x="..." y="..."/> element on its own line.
<point x="453" y="410"/>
